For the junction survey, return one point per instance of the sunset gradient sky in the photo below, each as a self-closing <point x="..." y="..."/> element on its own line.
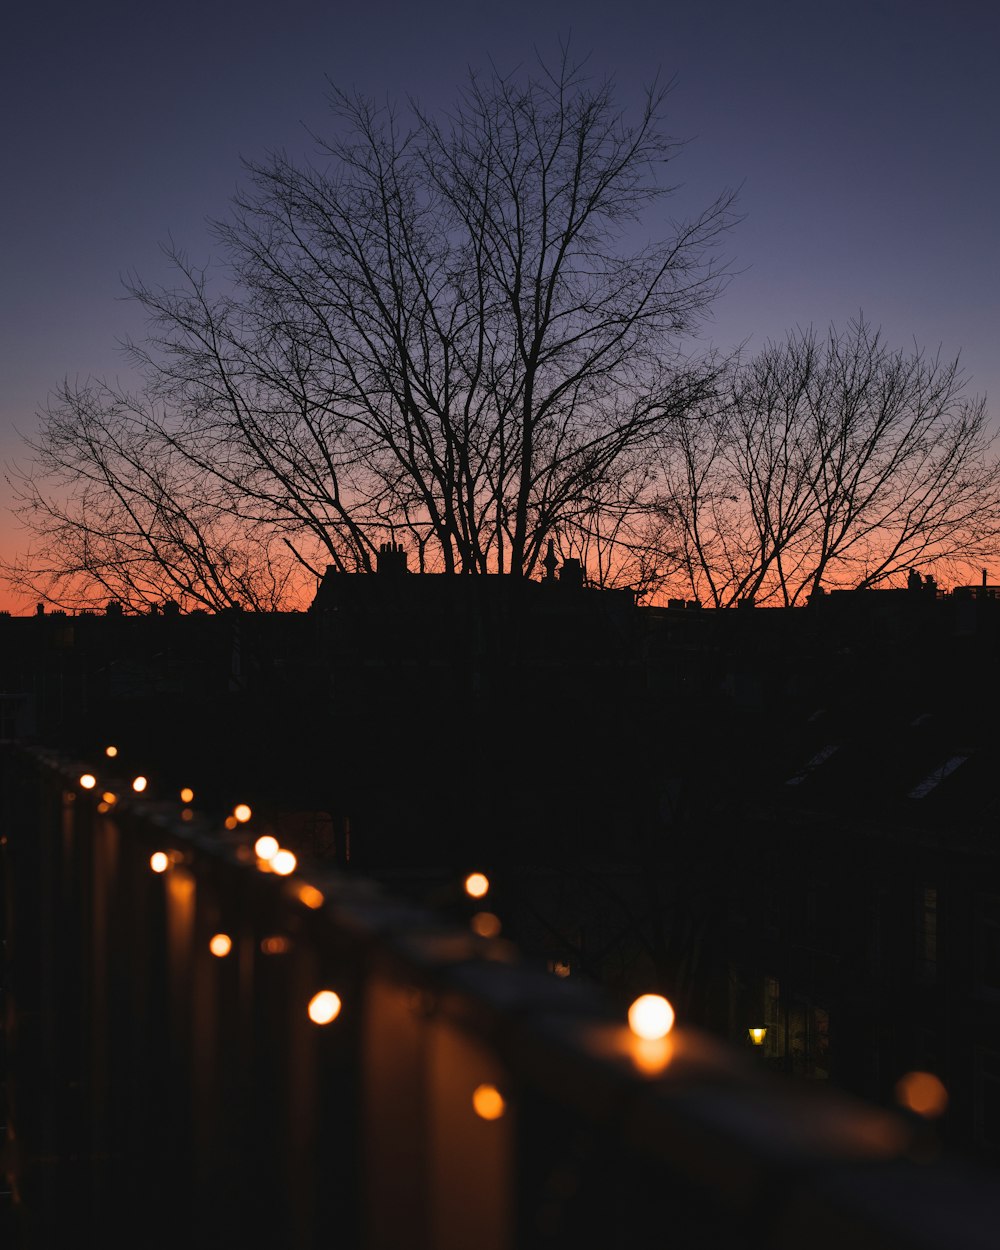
<point x="864" y="136"/>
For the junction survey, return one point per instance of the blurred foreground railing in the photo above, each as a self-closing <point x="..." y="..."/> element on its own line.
<point x="171" y="1096"/>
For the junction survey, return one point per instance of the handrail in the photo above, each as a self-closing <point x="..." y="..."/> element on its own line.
<point x="164" y="1092"/>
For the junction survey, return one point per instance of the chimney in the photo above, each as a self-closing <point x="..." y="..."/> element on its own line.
<point x="391" y="559"/>
<point x="550" y="562"/>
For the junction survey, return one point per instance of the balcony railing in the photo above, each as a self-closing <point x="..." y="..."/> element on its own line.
<point x="459" y="1099"/>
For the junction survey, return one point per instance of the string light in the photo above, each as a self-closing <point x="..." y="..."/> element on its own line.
<point x="477" y="885"/>
<point x="139" y="784"/>
<point x="88" y="781"/>
<point x="159" y="861"/>
<point x="242" y="812"/>
<point x="283" y="863"/>
<point x="651" y="1017"/>
<point x="324" y="1007"/>
<point x="487" y="1102"/>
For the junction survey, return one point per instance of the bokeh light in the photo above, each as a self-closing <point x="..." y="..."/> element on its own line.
<point x="220" y="945"/>
<point x="242" y="812"/>
<point x="486" y="924"/>
<point x="187" y="795"/>
<point x="159" y="861"/>
<point x="88" y="781"/>
<point x="477" y="885"/>
<point x="139" y="784"/>
<point x="324" y="1007"/>
<point x="111" y="752"/>
<point x="283" y="862"/>
<point x="311" y="897"/>
<point x="922" y="1093"/>
<point x="651" y="1016"/>
<point x="487" y="1102"/>
<point x="266" y="847"/>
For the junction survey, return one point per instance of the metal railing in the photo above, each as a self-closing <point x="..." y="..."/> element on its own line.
<point x="460" y="1098"/>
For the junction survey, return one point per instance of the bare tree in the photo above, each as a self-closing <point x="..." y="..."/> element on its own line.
<point x="438" y="332"/>
<point x="840" y="462"/>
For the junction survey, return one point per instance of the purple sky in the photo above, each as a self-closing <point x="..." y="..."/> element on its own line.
<point x="864" y="135"/>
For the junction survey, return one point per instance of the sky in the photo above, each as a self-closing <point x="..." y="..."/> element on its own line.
<point x="862" y="135"/>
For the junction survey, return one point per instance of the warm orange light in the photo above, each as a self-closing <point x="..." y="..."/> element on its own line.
<point x="139" y="784"/>
<point x="88" y="781"/>
<point x="283" y="862"/>
<point x="111" y="752"/>
<point x="651" y="1016"/>
<point x="477" y="884"/>
<point x="104" y="807"/>
<point x="487" y="1102"/>
<point x="324" y="1007"/>
<point x="277" y="944"/>
<point x="559" y="967"/>
<point x="187" y="795"/>
<point x="109" y="797"/>
<point x="187" y="814"/>
<point x="220" y="945"/>
<point x="266" y="847"/>
<point x="486" y="924"/>
<point x="159" y="861"/>
<point x="230" y="822"/>
<point x="757" y="1035"/>
<point x="923" y="1093"/>
<point x="652" y="1054"/>
<point x="311" y="897"/>
<point x="242" y="813"/>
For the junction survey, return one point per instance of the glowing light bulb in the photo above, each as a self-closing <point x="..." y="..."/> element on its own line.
<point x="486" y="924"/>
<point x="159" y="861"/>
<point x="111" y="752"/>
<point x="923" y="1093"/>
<point x="311" y="897"/>
<point x="266" y="847"/>
<point x="324" y="1007"/>
<point x="139" y="784"/>
<point x="242" y="812"/>
<point x="187" y="795"/>
<point x="283" y="862"/>
<point x="477" y="885"/>
<point x="757" y="1035"/>
<point x="651" y="1016"/>
<point x="220" y="945"/>
<point x="88" y="781"/>
<point x="488" y="1103"/>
